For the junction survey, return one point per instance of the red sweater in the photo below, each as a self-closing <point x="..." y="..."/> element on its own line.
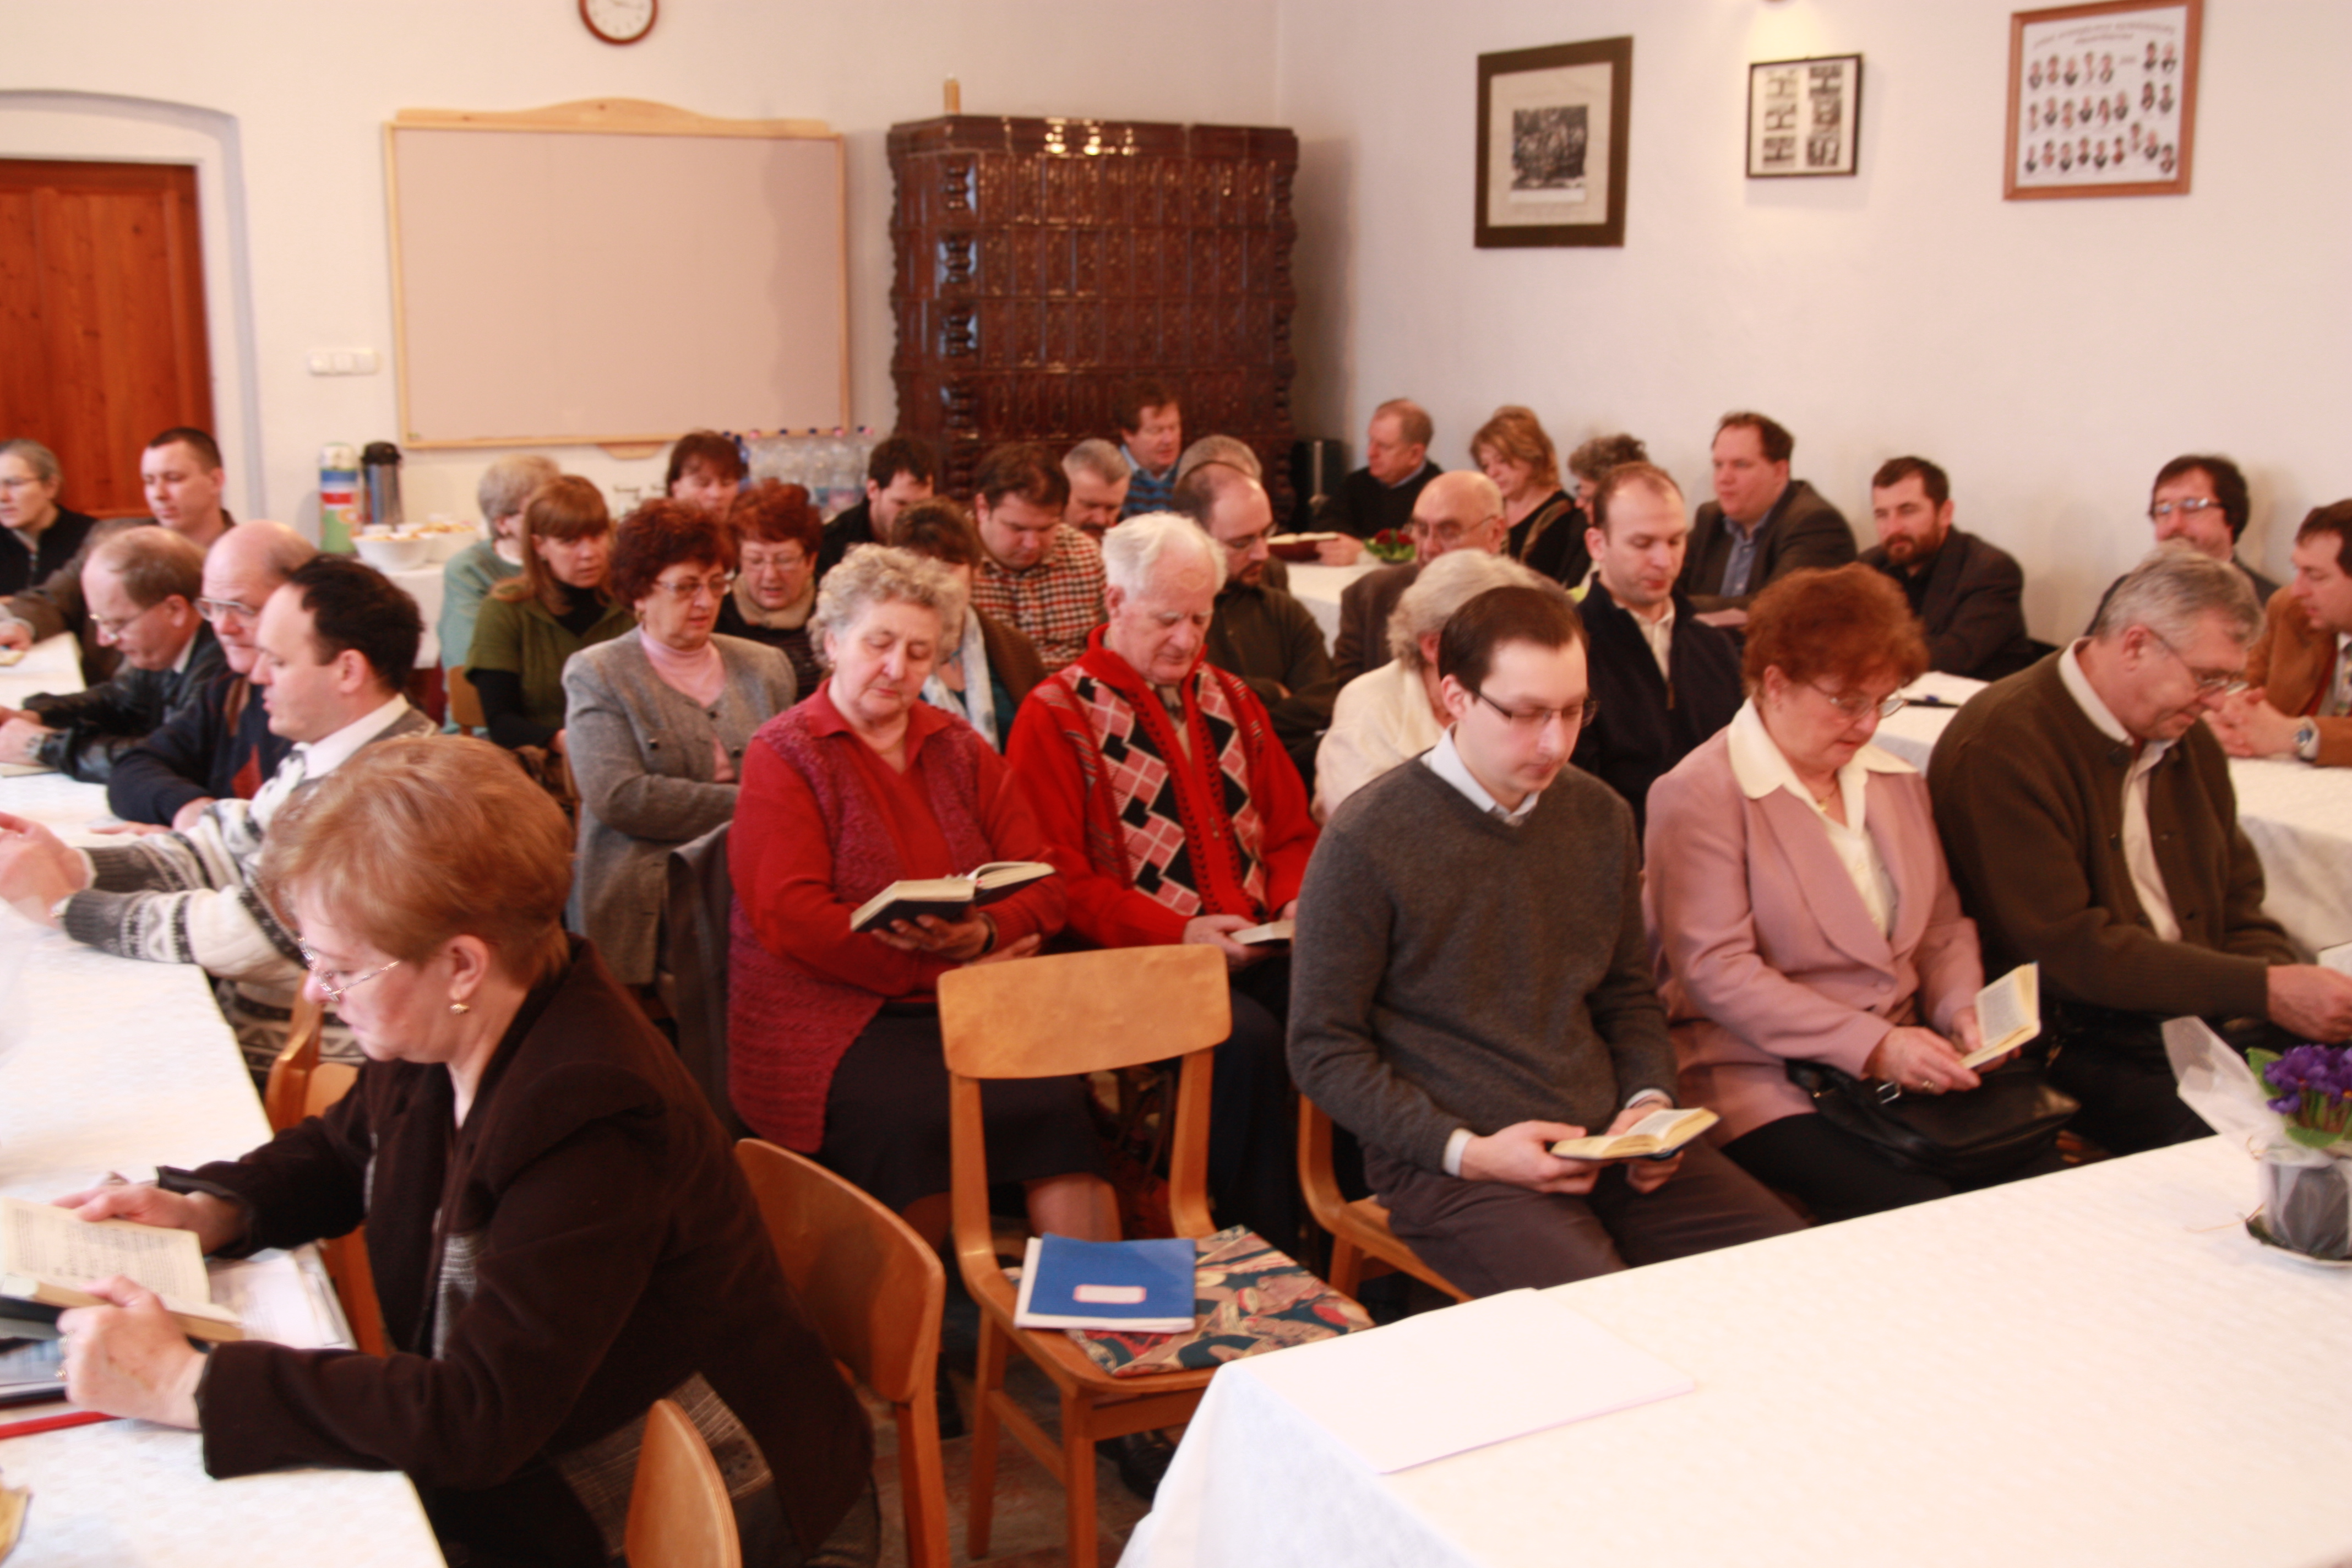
<point x="1227" y="831"/>
<point x="823" y="824"/>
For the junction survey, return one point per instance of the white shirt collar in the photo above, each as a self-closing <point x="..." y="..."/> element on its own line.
<point x="320" y="758"/>
<point x="1446" y="763"/>
<point x="2094" y="708"/>
<point x="1760" y="768"/>
<point x="187" y="652"/>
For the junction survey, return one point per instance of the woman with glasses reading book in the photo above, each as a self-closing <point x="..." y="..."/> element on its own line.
<point x="833" y="1031"/>
<point x="1798" y="901"/>
<point x="558" y="1230"/>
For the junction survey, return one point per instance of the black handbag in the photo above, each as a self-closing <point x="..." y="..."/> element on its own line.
<point x="2013" y="1115"/>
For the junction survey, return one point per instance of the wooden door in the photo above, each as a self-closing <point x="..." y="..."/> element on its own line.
<point x="101" y="318"/>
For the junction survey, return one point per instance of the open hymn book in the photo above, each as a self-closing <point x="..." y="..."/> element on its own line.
<point x="949" y="898"/>
<point x="1654" y="1137"/>
<point x="2009" y="1012"/>
<point x="47" y="1255"/>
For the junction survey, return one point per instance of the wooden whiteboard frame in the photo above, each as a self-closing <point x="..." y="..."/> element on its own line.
<point x="603" y="116"/>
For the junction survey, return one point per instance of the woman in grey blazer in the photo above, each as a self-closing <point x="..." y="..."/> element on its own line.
<point x="657" y="722"/>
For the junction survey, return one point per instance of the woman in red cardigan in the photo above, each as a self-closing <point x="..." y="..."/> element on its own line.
<point x="834" y="1034"/>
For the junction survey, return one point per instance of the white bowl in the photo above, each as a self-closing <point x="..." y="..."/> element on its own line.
<point x="393" y="552"/>
<point x="447" y="541"/>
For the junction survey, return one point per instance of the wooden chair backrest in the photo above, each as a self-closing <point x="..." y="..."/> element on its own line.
<point x="465" y="702"/>
<point x="679" y="1513"/>
<point x="1080" y="1013"/>
<point x="300" y="1085"/>
<point x="873" y="1290"/>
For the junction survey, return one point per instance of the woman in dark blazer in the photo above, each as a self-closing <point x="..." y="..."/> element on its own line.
<point x="559" y="1232"/>
<point x="1798" y="900"/>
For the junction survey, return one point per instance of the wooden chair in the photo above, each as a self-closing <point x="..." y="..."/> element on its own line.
<point x="874" y="1292"/>
<point x="465" y="702"/>
<point x="1359" y="1230"/>
<point x="679" y="1515"/>
<point x="1042" y="1017"/>
<point x="301" y="1086"/>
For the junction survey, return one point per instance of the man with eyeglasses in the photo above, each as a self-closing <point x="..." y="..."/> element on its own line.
<point x="335" y="646"/>
<point x="180" y="471"/>
<point x="1472" y="984"/>
<point x="219" y="746"/>
<point x="2200" y="501"/>
<point x="2091" y="827"/>
<point x="1260" y="632"/>
<point x="1460" y="510"/>
<point x="140" y="585"/>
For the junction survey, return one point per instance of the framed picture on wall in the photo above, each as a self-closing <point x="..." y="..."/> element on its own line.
<point x="1804" y="117"/>
<point x="2102" y="99"/>
<point x="1552" y="144"/>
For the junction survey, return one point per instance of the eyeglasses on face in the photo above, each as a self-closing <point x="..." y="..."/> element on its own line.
<point x="218" y="610"/>
<point x="1855" y="704"/>
<point x="331" y="981"/>
<point x="2209" y="683"/>
<point x="110" y="628"/>
<point x="685" y="591"/>
<point x="1530" y="721"/>
<point x="2193" y="505"/>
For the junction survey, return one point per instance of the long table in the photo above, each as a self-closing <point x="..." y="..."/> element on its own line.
<point x="2298" y="816"/>
<point x="105" y="1064"/>
<point x="2094" y="1367"/>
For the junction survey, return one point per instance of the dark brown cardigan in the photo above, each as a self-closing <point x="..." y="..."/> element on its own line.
<point x="581" y="1247"/>
<point x="2029" y="799"/>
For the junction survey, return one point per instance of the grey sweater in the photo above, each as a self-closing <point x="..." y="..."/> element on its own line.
<point x="1453" y="971"/>
<point x="642" y="753"/>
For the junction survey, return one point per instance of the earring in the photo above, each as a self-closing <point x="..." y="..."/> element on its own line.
<point x="460" y="1007"/>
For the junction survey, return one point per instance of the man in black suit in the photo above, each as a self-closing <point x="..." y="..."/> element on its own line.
<point x="1965" y="592"/>
<point x="1460" y="510"/>
<point x="1761" y="524"/>
<point x="1662" y="680"/>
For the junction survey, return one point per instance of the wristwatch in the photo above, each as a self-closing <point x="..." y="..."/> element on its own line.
<point x="2306" y="740"/>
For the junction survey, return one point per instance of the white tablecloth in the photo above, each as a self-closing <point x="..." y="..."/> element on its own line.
<point x="2096" y="1367"/>
<point x="424" y="585"/>
<point x="51" y="665"/>
<point x="2299" y="818"/>
<point x="1318" y="588"/>
<point x="107" y="1063"/>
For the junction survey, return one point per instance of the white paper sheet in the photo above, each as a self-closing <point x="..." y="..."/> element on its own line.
<point x="1444" y="1382"/>
<point x="279" y="1301"/>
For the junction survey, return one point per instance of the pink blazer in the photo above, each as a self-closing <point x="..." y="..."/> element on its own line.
<point x="1764" y="949"/>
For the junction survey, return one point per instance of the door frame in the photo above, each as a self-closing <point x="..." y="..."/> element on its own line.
<point x="111" y="128"/>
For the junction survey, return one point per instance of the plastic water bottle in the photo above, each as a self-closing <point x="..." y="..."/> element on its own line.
<point x="339" y="496"/>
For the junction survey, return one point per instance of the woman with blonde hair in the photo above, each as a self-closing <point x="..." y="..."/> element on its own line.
<point x="559" y="1232"/>
<point x="1547" y="529"/>
<point x="530" y="625"/>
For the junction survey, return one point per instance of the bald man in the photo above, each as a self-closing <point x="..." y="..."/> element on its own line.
<point x="1380" y="496"/>
<point x="218" y="746"/>
<point x="1460" y="510"/>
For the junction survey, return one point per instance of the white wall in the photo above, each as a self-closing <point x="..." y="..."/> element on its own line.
<point x="2050" y="355"/>
<point x="307" y="89"/>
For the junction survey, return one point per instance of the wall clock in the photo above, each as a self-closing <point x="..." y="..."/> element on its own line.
<point x="620" y="21"/>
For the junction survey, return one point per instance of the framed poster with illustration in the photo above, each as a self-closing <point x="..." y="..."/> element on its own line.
<point x="2103" y="99"/>
<point x="1552" y="144"/>
<point x="1804" y="117"/>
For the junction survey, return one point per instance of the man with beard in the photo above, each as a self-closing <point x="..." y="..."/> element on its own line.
<point x="1966" y="593"/>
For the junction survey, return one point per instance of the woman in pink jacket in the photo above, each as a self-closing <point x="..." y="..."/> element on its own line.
<point x="1799" y="905"/>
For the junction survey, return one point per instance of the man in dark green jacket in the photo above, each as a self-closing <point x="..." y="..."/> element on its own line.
<point x="2092" y="827"/>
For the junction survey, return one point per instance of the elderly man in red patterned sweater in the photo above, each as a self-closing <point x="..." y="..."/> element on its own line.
<point x="1175" y="816"/>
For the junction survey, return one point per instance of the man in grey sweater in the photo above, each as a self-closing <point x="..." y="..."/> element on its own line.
<point x="1471" y="984"/>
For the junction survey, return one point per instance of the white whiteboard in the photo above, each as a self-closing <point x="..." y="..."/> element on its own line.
<point x="571" y="285"/>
